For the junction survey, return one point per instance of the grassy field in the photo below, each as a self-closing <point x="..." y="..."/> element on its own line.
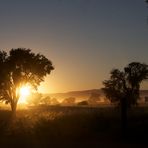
<point x="51" y="126"/>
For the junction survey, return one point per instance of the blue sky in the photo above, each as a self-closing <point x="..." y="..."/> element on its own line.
<point x="85" y="39"/>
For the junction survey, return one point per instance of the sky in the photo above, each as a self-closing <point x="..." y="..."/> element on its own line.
<point x="85" y="39"/>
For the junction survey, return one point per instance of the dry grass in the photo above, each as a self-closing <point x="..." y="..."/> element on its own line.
<point x="47" y="126"/>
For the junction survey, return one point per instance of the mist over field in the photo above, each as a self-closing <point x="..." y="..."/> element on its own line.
<point x="85" y="94"/>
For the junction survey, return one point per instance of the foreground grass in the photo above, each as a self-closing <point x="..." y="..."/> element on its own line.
<point x="47" y="126"/>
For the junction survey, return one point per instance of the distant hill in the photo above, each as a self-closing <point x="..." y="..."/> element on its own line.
<point x="85" y="94"/>
<point x="79" y="95"/>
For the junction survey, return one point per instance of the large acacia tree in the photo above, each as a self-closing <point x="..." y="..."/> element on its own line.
<point x="124" y="86"/>
<point x="126" y="83"/>
<point x="21" y="66"/>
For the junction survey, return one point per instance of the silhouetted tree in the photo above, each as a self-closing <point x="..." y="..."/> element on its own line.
<point x="46" y="100"/>
<point x="18" y="68"/>
<point x="126" y="84"/>
<point x="135" y="73"/>
<point x="82" y="103"/>
<point x="54" y="101"/>
<point x="94" y="98"/>
<point x="69" y="101"/>
<point x="123" y="87"/>
<point x="35" y="98"/>
<point x="115" y="87"/>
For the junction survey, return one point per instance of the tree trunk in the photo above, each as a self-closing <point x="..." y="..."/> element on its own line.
<point x="124" y="115"/>
<point x="13" y="108"/>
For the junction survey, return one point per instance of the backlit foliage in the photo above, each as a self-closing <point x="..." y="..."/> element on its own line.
<point x="19" y="67"/>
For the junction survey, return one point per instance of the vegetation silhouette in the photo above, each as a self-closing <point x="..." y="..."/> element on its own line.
<point x="20" y="67"/>
<point x="54" y="101"/>
<point x="35" y="99"/>
<point x="123" y="87"/>
<point x="69" y="101"/>
<point x="94" y="98"/>
<point x="82" y="103"/>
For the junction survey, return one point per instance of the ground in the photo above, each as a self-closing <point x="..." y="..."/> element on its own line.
<point x="69" y="127"/>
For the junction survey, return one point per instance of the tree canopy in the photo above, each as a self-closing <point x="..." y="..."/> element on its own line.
<point x="126" y="83"/>
<point x="19" y="67"/>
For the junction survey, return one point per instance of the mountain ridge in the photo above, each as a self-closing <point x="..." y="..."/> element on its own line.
<point x="84" y="94"/>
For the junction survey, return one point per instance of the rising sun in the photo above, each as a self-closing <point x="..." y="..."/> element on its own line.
<point x="24" y="93"/>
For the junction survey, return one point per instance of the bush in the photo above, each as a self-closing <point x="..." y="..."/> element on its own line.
<point x="83" y="103"/>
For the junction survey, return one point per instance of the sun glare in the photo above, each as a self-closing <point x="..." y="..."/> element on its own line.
<point x="24" y="93"/>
